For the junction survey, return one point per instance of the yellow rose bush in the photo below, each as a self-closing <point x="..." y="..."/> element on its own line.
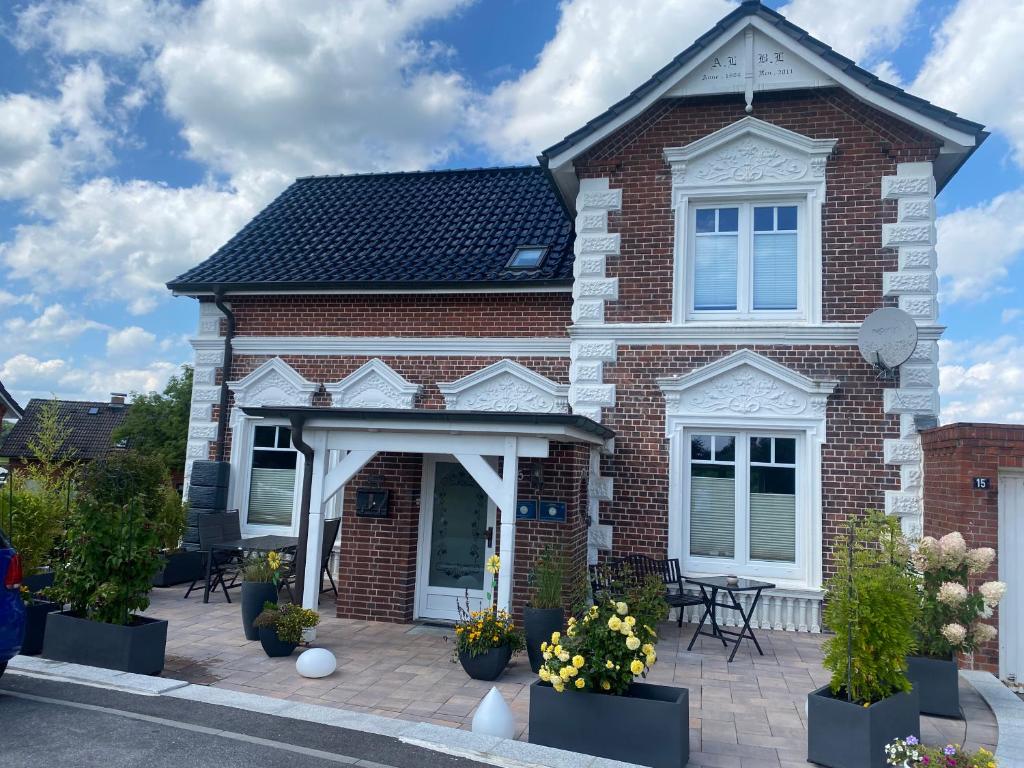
<point x="602" y="651"/>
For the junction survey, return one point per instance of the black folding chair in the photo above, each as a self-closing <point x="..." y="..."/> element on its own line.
<point x="331" y="528"/>
<point x="224" y="566"/>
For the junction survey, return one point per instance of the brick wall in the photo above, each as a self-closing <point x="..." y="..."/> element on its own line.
<point x="953" y="455"/>
<point x="869" y="146"/>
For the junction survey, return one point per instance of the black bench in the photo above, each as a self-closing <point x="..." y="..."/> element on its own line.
<point x="633" y="570"/>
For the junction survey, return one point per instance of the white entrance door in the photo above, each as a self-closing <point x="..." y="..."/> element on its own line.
<point x="1011" y="571"/>
<point x="457" y="535"/>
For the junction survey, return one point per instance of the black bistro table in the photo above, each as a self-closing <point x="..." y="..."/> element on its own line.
<point x="718" y="584"/>
<point x="269" y="543"/>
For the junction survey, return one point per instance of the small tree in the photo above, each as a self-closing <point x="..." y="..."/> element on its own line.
<point x="157" y="424"/>
<point x="871" y="605"/>
<point x="114" y="538"/>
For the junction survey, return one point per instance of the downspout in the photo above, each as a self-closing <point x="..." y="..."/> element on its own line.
<point x="222" y="413"/>
<point x="298" y="421"/>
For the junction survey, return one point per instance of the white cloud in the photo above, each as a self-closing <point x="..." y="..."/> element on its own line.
<point x="54" y="326"/>
<point x="27" y="376"/>
<point x="122" y="27"/>
<point x="982" y="380"/>
<point x="974" y="66"/>
<point x="122" y="241"/>
<point x="977" y="246"/>
<point x="8" y="299"/>
<point x="858" y="30"/>
<point x="130" y="341"/>
<point x="601" y="51"/>
<point x="1009" y="315"/>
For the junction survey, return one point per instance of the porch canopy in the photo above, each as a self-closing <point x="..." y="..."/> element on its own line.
<point x="359" y="434"/>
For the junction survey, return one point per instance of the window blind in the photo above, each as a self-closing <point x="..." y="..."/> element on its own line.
<point x="773" y="527"/>
<point x="775" y="265"/>
<point x="712" y="516"/>
<point x="271" y="496"/>
<point x="714" y="272"/>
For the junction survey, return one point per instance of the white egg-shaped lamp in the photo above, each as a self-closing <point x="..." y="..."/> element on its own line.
<point x="316" y="662"/>
<point x="493" y="717"/>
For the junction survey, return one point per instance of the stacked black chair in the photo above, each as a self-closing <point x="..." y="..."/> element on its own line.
<point x="207" y="492"/>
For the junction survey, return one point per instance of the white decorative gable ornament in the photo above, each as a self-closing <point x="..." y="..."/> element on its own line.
<point x="373" y="385"/>
<point x="506" y="386"/>
<point x="273" y="383"/>
<point x="746" y="384"/>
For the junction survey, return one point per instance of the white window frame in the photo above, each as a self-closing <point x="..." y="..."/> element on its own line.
<point x="243" y="438"/>
<point x="741" y="563"/>
<point x="745" y="260"/>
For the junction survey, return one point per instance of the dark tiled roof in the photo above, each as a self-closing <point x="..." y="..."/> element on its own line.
<point x="440" y="228"/>
<point x="801" y="36"/>
<point x="13" y="409"/>
<point x="90" y="434"/>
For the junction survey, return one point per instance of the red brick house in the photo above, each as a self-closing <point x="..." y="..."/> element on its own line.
<point x="645" y="343"/>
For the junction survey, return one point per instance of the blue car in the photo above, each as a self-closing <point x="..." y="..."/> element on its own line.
<point x="12" y="608"/>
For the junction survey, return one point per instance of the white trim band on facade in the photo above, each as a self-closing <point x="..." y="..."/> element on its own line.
<point x="731" y="333"/>
<point x="377" y="346"/>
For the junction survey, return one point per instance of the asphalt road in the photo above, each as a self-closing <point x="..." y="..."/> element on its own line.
<point x="46" y="723"/>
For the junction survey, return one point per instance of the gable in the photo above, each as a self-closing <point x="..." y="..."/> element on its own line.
<point x="373" y="385"/>
<point x="273" y="383"/>
<point x="506" y="386"/>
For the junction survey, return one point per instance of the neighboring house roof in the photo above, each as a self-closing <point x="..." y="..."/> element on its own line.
<point x="9" y="403"/>
<point x="392" y="230"/>
<point x="89" y="433"/>
<point x="706" y="43"/>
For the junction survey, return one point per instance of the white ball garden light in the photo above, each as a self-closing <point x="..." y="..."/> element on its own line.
<point x="316" y="662"/>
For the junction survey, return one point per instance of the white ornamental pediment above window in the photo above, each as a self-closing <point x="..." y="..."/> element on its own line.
<point x="506" y="386"/>
<point x="373" y="385"/>
<point x="748" y="154"/>
<point x="273" y="383"/>
<point x="746" y="385"/>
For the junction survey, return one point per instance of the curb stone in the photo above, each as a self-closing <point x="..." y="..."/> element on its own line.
<point x="503" y="752"/>
<point x="1009" y="712"/>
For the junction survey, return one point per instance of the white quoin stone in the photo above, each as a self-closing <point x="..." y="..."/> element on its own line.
<point x="902" y="451"/>
<point x="895" y="283"/>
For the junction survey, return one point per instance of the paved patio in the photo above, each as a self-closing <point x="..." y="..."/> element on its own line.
<point x="744" y="714"/>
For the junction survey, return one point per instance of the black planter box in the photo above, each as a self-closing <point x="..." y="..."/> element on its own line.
<point x="209" y="474"/>
<point x="137" y="647"/>
<point x="539" y="623"/>
<point x="38" y="581"/>
<point x="179" y="568"/>
<point x="841" y="734"/>
<point x="488" y="665"/>
<point x="650" y="725"/>
<point x="35" y="626"/>
<point x="937" y="682"/>
<point x="254" y="595"/>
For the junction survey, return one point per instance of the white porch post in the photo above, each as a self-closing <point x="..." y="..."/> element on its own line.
<point x="315" y="532"/>
<point x="502" y="491"/>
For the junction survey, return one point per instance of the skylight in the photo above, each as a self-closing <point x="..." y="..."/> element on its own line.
<point x="528" y="257"/>
<point x="93" y="411"/>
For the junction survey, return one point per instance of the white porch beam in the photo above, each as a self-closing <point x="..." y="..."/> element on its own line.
<point x="344" y="471"/>
<point x="432" y="442"/>
<point x="315" y="529"/>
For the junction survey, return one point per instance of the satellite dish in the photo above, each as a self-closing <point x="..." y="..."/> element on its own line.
<point x="887" y="338"/>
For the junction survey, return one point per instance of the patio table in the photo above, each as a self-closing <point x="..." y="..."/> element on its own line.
<point x="720" y="584"/>
<point x="270" y="543"/>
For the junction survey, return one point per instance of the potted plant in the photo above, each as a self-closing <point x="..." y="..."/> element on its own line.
<point x="178" y="565"/>
<point x="280" y="627"/>
<point x="261" y="577"/>
<point x="871" y="605"/>
<point x="588" y="698"/>
<point x="952" y="618"/>
<point x="909" y="752"/>
<point x="37" y="608"/>
<point x="486" y="639"/>
<point x="112" y="553"/>
<point x="544" y="613"/>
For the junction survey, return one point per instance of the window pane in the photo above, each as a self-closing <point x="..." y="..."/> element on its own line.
<point x="775" y="271"/>
<point x="773" y="514"/>
<point x="264" y="437"/>
<point x="706" y="220"/>
<point x="728" y="219"/>
<point x="725" y="448"/>
<point x="787" y="218"/>
<point x="458" y="534"/>
<point x="764" y="219"/>
<point x="785" y="450"/>
<point x="714" y="273"/>
<point x="274" y="459"/>
<point x="761" y="449"/>
<point x="271" y="494"/>
<point x="700" y="447"/>
<point x="284" y="438"/>
<point x="712" y="510"/>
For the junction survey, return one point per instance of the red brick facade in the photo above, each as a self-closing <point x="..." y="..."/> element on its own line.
<point x="953" y="455"/>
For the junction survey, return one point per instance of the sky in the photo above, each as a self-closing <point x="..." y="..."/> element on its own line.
<point x="136" y="136"/>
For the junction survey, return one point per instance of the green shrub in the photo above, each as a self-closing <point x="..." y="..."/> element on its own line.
<point x="113" y="538"/>
<point x="871" y="605"/>
<point x="32" y="521"/>
<point x="547" y="579"/>
<point x="289" y="620"/>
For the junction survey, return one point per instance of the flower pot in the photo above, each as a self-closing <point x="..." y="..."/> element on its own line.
<point x="35" y="626"/>
<point x="272" y="645"/>
<point x="488" y="665"/>
<point x="254" y="595"/>
<point x="539" y="623"/>
<point x="136" y="647"/>
<point x="179" y="568"/>
<point x="649" y="725"/>
<point x="841" y="734"/>
<point x="937" y="682"/>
